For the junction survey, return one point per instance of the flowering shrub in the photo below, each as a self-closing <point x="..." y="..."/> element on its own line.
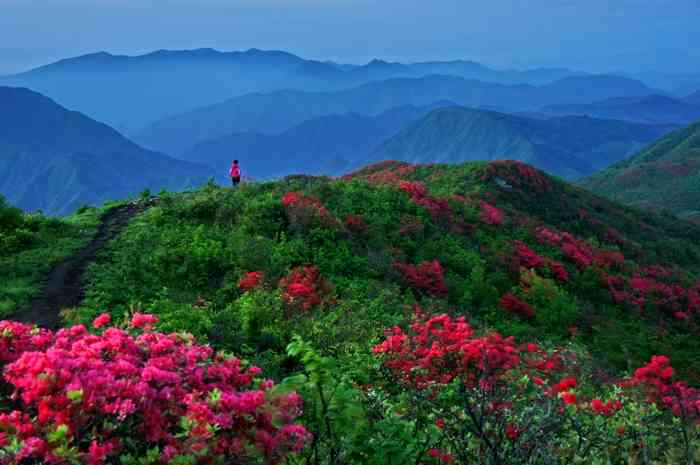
<point x="579" y="251"/>
<point x="303" y="289"/>
<point x="656" y="378"/>
<point x="17" y="338"/>
<point x="511" y="303"/>
<point x="303" y="211"/>
<point x="356" y="225"/>
<point x="250" y="280"/>
<point x="497" y="402"/>
<point x="101" y="398"/>
<point x="642" y="291"/>
<point x="490" y="214"/>
<point x="427" y="276"/>
<point x="439" y="208"/>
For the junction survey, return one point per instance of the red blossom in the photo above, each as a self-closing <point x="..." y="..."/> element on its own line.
<point x="512" y="432"/>
<point x="511" y="303"/>
<point x="656" y="379"/>
<point x="304" y="210"/>
<point x="526" y="257"/>
<point x="120" y="394"/>
<point x="605" y="408"/>
<point x="101" y="320"/>
<point x="441" y="349"/>
<point x="303" y="289"/>
<point x="490" y="214"/>
<point x="250" y="280"/>
<point x="142" y="321"/>
<point x="427" y="276"/>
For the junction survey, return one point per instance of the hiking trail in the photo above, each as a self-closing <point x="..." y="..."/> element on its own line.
<point x="63" y="287"/>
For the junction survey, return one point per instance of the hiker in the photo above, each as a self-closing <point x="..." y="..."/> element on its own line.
<point x="235" y="173"/>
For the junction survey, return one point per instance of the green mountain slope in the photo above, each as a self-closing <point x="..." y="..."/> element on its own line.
<point x="570" y="147"/>
<point x="374" y="299"/>
<point x="56" y="160"/>
<point x="666" y="174"/>
<point x="576" y="259"/>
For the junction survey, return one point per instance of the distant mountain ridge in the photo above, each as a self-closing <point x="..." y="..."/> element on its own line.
<point x="693" y="98"/>
<point x="666" y="174"/>
<point x="278" y="111"/>
<point x="130" y="92"/>
<point x="569" y="147"/>
<point x="655" y="109"/>
<point x="56" y="160"/>
<point x="330" y="144"/>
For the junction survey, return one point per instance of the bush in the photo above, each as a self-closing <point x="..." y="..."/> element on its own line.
<point x="137" y="396"/>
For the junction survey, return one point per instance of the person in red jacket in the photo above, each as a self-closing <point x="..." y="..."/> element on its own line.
<point x="235" y="173"/>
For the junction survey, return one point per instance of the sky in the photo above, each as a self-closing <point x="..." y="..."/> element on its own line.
<point x="589" y="35"/>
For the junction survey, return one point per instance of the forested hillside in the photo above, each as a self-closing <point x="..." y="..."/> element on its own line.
<point x="665" y="175"/>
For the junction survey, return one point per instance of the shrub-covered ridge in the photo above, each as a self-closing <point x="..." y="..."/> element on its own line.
<point x="433" y="313"/>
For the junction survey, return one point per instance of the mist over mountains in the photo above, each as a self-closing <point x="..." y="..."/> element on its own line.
<point x="190" y="112"/>
<point x="56" y="160"/>
<point x="130" y="92"/>
<point x="278" y="111"/>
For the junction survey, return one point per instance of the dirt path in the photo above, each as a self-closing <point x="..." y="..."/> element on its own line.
<point x="63" y="287"/>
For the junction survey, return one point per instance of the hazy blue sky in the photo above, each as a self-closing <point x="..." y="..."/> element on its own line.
<point x="593" y="35"/>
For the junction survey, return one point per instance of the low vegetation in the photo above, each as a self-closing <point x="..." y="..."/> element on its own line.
<point x="468" y="314"/>
<point x="31" y="244"/>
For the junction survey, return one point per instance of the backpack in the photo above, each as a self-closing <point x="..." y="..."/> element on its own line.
<point x="235" y="171"/>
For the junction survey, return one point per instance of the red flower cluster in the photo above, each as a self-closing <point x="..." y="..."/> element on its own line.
<point x="565" y="390"/>
<point x="356" y="225"/>
<point x="490" y="214"/>
<point x="641" y="291"/>
<point x="440" y="349"/>
<point x="17" y="338"/>
<point x="656" y="378"/>
<point x="439" y="208"/>
<point x="527" y="258"/>
<point x="428" y="276"/>
<point x="579" y="251"/>
<point x="305" y="210"/>
<point x="303" y="289"/>
<point x="250" y="280"/>
<point x="511" y="303"/>
<point x="440" y="455"/>
<point x="117" y="393"/>
<point x="606" y="408"/>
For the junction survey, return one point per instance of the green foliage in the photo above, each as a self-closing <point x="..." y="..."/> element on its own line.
<point x="30" y="244"/>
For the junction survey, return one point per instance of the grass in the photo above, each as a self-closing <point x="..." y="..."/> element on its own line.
<point x="54" y="239"/>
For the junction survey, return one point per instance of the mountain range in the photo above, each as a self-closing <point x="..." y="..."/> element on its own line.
<point x="570" y="146"/>
<point x="130" y="92"/>
<point x="278" y="111"/>
<point x="664" y="175"/>
<point x="324" y="145"/>
<point x="648" y="109"/>
<point x="56" y="160"/>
